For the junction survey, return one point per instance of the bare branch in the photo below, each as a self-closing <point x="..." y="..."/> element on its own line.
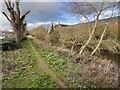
<point x="6" y="16"/>
<point x="91" y="6"/>
<point x="18" y="1"/>
<point x="117" y="11"/>
<point x="13" y="5"/>
<point x="10" y="4"/>
<point x="79" y="11"/>
<point x="92" y="32"/>
<point x="114" y="4"/>
<point x="101" y="38"/>
<point x="17" y="8"/>
<point x="23" y="17"/>
<point x="10" y="9"/>
<point x="6" y="3"/>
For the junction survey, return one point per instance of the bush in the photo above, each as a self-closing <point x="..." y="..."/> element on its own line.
<point x="55" y="38"/>
<point x="40" y="33"/>
<point x="7" y="45"/>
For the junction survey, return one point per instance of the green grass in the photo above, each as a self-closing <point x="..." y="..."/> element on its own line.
<point x="75" y="75"/>
<point x="24" y="72"/>
<point x="62" y="66"/>
<point x="21" y="70"/>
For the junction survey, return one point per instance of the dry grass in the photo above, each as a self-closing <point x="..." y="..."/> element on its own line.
<point x="66" y="36"/>
<point x="40" y="33"/>
<point x="84" y="71"/>
<point x="99" y="72"/>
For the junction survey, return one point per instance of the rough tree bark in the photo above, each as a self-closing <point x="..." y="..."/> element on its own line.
<point x="15" y="18"/>
<point x="23" y="26"/>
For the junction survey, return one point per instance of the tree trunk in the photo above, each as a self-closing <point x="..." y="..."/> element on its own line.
<point x="99" y="41"/>
<point x="18" y="34"/>
<point x="15" y="18"/>
<point x="18" y="38"/>
<point x="90" y="37"/>
<point x="92" y="32"/>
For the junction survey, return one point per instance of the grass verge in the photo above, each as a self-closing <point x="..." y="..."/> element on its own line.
<point x="20" y="69"/>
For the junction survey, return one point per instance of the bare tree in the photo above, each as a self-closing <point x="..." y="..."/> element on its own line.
<point x="87" y="8"/>
<point x="93" y="30"/>
<point x="99" y="41"/>
<point x="52" y="27"/>
<point x="106" y="27"/>
<point x="15" y="18"/>
<point x="76" y="8"/>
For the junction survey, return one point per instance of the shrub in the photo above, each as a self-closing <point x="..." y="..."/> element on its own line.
<point x="40" y="33"/>
<point x="55" y="38"/>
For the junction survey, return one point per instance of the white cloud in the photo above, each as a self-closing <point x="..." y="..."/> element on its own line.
<point x="83" y="20"/>
<point x="108" y="13"/>
<point x="33" y="25"/>
<point x="30" y="25"/>
<point x="42" y="11"/>
<point x="38" y="12"/>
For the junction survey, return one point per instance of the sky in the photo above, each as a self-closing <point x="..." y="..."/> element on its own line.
<point x="42" y="11"/>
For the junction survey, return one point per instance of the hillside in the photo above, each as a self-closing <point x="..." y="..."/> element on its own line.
<point x="109" y="21"/>
<point x="82" y="28"/>
<point x="65" y="35"/>
<point x="113" y="20"/>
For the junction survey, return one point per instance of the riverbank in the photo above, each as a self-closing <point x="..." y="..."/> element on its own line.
<point x="80" y="72"/>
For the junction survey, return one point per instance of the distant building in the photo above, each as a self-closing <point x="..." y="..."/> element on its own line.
<point x="6" y="34"/>
<point x="60" y="25"/>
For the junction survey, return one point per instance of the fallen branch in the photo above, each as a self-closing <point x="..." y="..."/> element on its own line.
<point x="99" y="41"/>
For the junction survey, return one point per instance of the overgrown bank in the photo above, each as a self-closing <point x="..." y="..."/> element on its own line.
<point x="73" y="37"/>
<point x="82" y="73"/>
<point x="21" y="70"/>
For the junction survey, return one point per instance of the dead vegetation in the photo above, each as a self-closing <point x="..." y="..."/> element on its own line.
<point x="92" y="71"/>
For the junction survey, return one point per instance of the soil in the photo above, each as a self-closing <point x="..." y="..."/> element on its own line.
<point x="44" y="66"/>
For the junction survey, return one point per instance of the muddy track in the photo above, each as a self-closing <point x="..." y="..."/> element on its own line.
<point x="44" y="66"/>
